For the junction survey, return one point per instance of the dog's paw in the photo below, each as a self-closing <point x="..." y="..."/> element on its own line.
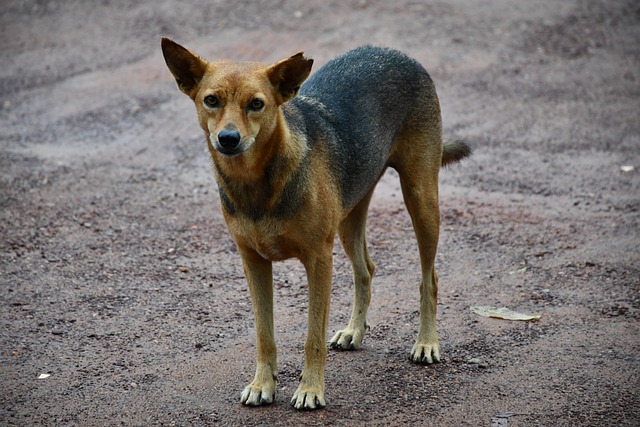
<point x="425" y="353"/>
<point x="308" y="398"/>
<point x="256" y="395"/>
<point x="347" y="339"/>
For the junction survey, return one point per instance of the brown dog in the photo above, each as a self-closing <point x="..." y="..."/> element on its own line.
<point x="295" y="170"/>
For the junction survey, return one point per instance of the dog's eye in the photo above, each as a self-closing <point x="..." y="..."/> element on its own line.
<point x="256" y="104"/>
<point x="211" y="101"/>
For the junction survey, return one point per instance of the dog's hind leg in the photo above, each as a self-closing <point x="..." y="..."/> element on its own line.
<point x="353" y="236"/>
<point x="420" y="191"/>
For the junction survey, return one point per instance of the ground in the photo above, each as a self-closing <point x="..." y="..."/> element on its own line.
<point x="119" y="280"/>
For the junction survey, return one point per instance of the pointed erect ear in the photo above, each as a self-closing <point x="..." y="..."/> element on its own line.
<point x="187" y="67"/>
<point x="287" y="75"/>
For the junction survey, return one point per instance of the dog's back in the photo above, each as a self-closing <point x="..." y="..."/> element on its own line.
<point x="358" y="104"/>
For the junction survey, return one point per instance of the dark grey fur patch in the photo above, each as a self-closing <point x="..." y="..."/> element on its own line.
<point x="358" y="103"/>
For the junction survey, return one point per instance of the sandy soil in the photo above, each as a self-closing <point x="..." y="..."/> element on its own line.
<point x="119" y="280"/>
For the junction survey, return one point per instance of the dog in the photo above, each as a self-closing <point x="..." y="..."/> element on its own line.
<point x="297" y="164"/>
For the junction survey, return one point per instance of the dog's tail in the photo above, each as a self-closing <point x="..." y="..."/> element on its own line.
<point x="454" y="151"/>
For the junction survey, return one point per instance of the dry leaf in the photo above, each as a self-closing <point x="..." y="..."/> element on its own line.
<point x="503" y="313"/>
<point x="518" y="271"/>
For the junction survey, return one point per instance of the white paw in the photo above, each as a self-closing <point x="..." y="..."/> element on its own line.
<point x="426" y="353"/>
<point x="308" y="398"/>
<point x="347" y="339"/>
<point x="255" y="395"/>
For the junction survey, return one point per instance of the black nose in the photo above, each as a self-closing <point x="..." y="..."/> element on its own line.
<point x="229" y="138"/>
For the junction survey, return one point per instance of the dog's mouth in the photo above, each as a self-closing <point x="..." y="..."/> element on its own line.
<point x="228" y="151"/>
<point x="233" y="150"/>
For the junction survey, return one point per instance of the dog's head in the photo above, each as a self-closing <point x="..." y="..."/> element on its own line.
<point x="237" y="102"/>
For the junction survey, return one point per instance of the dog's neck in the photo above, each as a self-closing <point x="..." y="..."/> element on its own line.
<point x="254" y="182"/>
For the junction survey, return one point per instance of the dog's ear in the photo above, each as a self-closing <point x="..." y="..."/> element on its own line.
<point x="187" y="67"/>
<point x="288" y="75"/>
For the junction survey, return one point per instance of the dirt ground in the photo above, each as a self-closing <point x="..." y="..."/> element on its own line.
<point x="118" y="278"/>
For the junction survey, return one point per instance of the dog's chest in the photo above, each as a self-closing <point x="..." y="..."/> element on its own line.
<point x="271" y="249"/>
<point x="265" y="238"/>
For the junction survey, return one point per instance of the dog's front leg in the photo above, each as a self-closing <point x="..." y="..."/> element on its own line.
<point x="260" y="278"/>
<point x="310" y="392"/>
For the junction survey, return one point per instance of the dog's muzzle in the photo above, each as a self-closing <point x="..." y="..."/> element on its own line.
<point x="228" y="142"/>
